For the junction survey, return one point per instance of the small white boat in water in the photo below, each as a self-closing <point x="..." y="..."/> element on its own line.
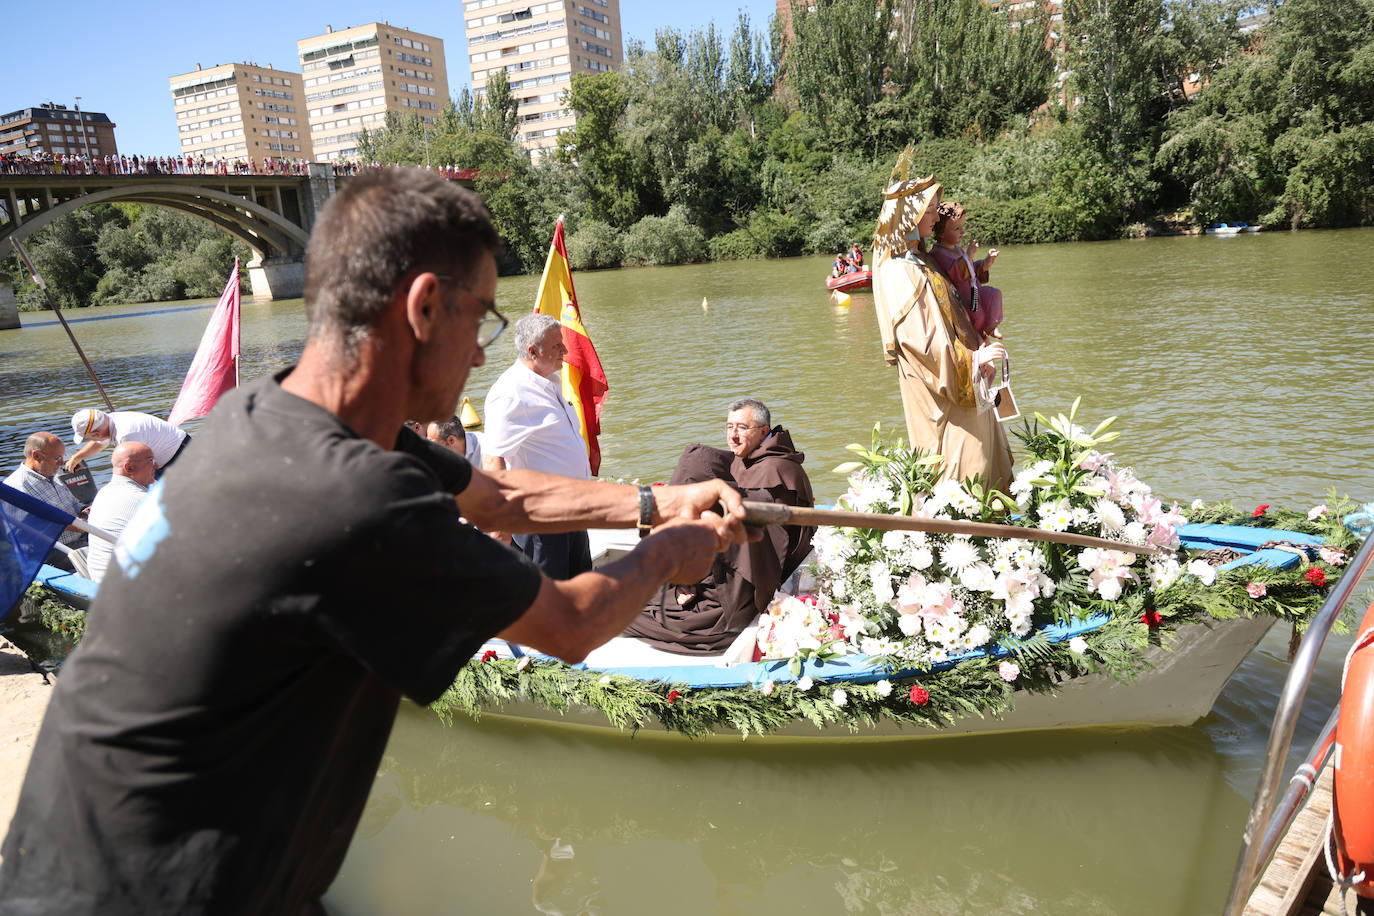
<point x="1181" y="675"/>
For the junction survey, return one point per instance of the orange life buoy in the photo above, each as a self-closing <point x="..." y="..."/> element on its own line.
<point x="1353" y="792"/>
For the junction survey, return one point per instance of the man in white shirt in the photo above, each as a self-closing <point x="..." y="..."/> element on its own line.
<point x="43" y="454"/>
<point x="94" y="429"/>
<point x="134" y="472"/>
<point x="530" y="425"/>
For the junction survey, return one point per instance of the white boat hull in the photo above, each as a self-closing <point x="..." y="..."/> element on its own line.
<point x="1179" y="687"/>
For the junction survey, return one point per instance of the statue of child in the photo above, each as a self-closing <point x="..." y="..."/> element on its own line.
<point x="969" y="277"/>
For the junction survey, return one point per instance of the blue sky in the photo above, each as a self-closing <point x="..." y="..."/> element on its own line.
<point x="118" y="56"/>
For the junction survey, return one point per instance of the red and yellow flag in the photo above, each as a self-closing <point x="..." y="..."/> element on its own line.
<point x="584" y="381"/>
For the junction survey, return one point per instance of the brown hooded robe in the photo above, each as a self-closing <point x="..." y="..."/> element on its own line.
<point x="744" y="578"/>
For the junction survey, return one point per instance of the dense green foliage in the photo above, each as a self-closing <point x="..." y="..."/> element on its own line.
<point x="734" y="144"/>
<point x="114" y="253"/>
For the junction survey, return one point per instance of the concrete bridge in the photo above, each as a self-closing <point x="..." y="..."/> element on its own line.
<point x="272" y="214"/>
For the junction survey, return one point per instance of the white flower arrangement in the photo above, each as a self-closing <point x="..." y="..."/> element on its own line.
<point x="923" y="599"/>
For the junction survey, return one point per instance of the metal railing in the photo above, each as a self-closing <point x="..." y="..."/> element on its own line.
<point x="1268" y="821"/>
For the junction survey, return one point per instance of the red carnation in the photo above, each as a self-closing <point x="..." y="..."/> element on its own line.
<point x="1316" y="577"/>
<point x="672" y="696"/>
<point x="488" y="655"/>
<point x="1151" y="618"/>
<point x="919" y="695"/>
<point x="1259" y="510"/>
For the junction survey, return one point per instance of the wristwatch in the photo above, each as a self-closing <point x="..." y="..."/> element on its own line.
<point x="646" y="510"/>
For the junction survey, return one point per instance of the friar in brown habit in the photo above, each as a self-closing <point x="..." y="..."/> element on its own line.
<point x="762" y="462"/>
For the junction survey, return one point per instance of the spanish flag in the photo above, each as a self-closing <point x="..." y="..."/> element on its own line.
<point x="584" y="381"/>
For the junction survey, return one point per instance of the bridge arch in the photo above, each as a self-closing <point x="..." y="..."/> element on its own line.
<point x="269" y="234"/>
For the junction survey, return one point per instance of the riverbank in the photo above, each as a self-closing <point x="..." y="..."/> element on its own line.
<point x="24" y="695"/>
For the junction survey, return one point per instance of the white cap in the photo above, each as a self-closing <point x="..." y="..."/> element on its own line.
<point x="84" y="421"/>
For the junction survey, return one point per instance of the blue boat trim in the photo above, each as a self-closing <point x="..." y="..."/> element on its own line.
<point x="78" y="589"/>
<point x="858" y="669"/>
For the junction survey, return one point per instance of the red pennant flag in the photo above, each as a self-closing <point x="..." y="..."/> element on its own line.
<point x="584" y="381"/>
<point x="214" y="370"/>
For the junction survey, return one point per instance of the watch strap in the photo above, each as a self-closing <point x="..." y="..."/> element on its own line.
<point x="646" y="510"/>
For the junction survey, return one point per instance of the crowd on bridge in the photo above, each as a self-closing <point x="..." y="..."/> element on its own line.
<point x="49" y="164"/>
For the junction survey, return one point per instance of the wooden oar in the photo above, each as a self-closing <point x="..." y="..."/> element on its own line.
<point x="761" y="513"/>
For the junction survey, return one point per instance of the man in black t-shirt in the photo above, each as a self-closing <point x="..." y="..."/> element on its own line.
<point x="210" y="746"/>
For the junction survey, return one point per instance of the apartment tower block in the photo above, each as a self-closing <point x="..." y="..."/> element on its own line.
<point x="241" y="111"/>
<point x="354" y="76"/>
<point x="540" y="46"/>
<point x="56" y="130"/>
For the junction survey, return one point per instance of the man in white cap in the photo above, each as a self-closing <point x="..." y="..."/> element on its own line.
<point x="94" y="429"/>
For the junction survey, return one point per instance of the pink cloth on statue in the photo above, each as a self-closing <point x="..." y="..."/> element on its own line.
<point x="956" y="266"/>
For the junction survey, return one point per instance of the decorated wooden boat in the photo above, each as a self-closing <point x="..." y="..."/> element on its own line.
<point x="912" y="635"/>
<point x="1181" y="677"/>
<point x="861" y="279"/>
<point x="900" y="635"/>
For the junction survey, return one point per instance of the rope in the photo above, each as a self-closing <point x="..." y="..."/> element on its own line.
<point x="1338" y="879"/>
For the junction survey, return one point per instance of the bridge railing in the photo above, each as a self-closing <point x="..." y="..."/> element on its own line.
<point x="156" y="166"/>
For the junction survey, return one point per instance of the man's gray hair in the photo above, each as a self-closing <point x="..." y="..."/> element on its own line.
<point x="528" y="331"/>
<point x="453" y="426"/>
<point x="37" y="443"/>
<point x="760" y="409"/>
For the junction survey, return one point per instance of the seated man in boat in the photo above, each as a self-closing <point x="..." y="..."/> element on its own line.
<point x="133" y="470"/>
<point x="705" y="618"/>
<point x="856" y="256"/>
<point x="211" y="746"/>
<point x="840" y="266"/>
<point x="36" y="476"/>
<point x="453" y="435"/>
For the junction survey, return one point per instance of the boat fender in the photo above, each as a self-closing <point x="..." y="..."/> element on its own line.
<point x="1352" y="809"/>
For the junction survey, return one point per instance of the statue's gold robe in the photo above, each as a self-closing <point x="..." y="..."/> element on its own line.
<point x="928" y="335"/>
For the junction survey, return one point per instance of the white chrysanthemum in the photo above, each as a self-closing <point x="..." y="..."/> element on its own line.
<point x="959" y="554"/>
<point x="951" y="493"/>
<point x="978" y="636"/>
<point x="1133" y="533"/>
<point x="977" y="578"/>
<point x="937" y="654"/>
<point x="1163" y="573"/>
<point x="1021" y="627"/>
<point x="893" y="540"/>
<point x="870" y="493"/>
<point x="879" y="647"/>
<point x="1055" y="515"/>
<point x="884" y="688"/>
<point x="1109" y="515"/>
<point x="1078" y="645"/>
<point x="922" y="558"/>
<point x="1205" y="572"/>
<point x="839" y="588"/>
<point x="839" y="697"/>
<point x="804" y="683"/>
<point x="1081" y="516"/>
<point x="909" y="624"/>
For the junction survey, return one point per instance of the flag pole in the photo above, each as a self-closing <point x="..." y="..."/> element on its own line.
<point x="37" y="278"/>
<point x="238" y="331"/>
<point x="758" y="513"/>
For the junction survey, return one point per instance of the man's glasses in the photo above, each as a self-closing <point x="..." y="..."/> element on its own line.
<point x="491" y="325"/>
<point x="742" y="427"/>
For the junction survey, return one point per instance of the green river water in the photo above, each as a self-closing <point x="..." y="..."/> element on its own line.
<point x="1240" y="368"/>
